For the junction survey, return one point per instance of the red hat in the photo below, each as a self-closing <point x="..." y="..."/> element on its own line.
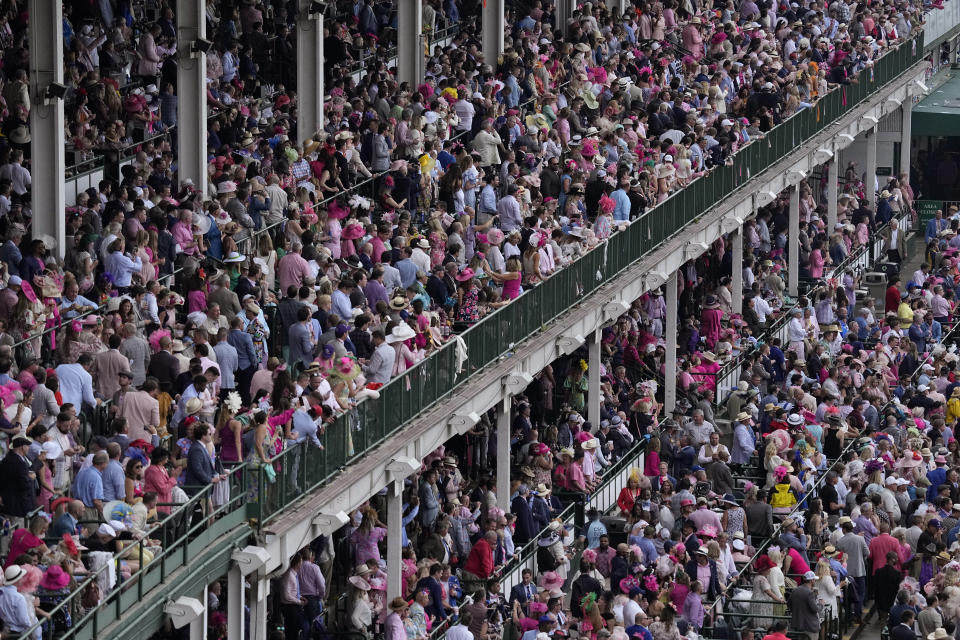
<point x="763" y="563"/>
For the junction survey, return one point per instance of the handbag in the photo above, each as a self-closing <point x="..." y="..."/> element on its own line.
<point x="91" y="595"/>
<point x="270" y="472"/>
<point x="221" y="493"/>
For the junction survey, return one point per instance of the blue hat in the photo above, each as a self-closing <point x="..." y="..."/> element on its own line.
<point x="696" y="468"/>
<point x="545" y="619"/>
<point x="635" y="591"/>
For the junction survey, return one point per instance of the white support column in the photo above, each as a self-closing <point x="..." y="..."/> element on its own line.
<point x="623" y="5"/>
<point x="236" y="598"/>
<point x="870" y="179"/>
<point x="309" y="71"/>
<point x="503" y="454"/>
<point x="593" y="379"/>
<point x="906" y="119"/>
<point x="191" y="94"/>
<point x="670" y="337"/>
<point x="793" y="244"/>
<point x="563" y="13"/>
<point x="410" y="61"/>
<point x="736" y="274"/>
<point x="491" y="29"/>
<point x="198" y="626"/>
<point x="394" y="539"/>
<point x="47" y="158"/>
<point x="259" y="590"/>
<point x="833" y="175"/>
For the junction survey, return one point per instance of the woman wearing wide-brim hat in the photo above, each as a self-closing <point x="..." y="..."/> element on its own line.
<point x="398" y="337"/>
<point x="361" y="613"/>
<point x="394" y="624"/>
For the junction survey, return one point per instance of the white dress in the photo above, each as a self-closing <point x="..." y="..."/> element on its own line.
<point x="827" y="593"/>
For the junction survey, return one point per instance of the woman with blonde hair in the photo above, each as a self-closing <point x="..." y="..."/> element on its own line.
<point x="827" y="591"/>
<point x="266" y="257"/>
<point x="778" y="583"/>
<point x="629" y="494"/>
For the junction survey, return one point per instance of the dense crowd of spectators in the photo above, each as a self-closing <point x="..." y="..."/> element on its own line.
<point x="185" y="332"/>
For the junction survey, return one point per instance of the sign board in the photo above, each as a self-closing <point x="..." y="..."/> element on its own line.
<point x="926" y="210"/>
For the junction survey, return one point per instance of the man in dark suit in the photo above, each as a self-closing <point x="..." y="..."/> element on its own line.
<point x="620" y="567"/>
<point x="432" y="584"/>
<point x="247" y="285"/>
<point x="804" y="614"/>
<point x="164" y="366"/>
<point x="525" y="591"/>
<point x="301" y="342"/>
<point x="436" y="287"/>
<point x="18" y="487"/>
<point x="520" y="507"/>
<point x="700" y="559"/>
<point x="904" y="630"/>
<point x="246" y="356"/>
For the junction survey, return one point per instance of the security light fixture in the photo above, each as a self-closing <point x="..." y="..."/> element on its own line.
<point x="201" y="45"/>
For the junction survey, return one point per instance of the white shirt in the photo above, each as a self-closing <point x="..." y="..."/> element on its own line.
<point x="18" y="176"/>
<point x="459" y="632"/>
<point x="76" y="385"/>
<point x="795" y="330"/>
<point x="421" y="259"/>
<point x="762" y="309"/>
<point x="630" y="610"/>
<point x="708" y="450"/>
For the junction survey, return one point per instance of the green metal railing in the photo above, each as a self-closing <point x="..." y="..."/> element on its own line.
<point x="184" y="535"/>
<point x="494" y="338"/>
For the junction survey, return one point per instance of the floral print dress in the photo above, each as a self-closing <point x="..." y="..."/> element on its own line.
<point x="469" y="310"/>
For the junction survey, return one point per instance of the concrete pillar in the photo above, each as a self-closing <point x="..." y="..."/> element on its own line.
<point x="47" y="158"/>
<point x="236" y="599"/>
<point x="410" y="62"/>
<point x="503" y="454"/>
<point x="670" y="338"/>
<point x="870" y="179"/>
<point x="492" y="31"/>
<point x="833" y="178"/>
<point x="198" y="626"/>
<point x="737" y="269"/>
<point x="793" y="244"/>
<point x="394" y="539"/>
<point x="593" y="379"/>
<point x="906" y="119"/>
<point x="191" y="94"/>
<point x="623" y="5"/>
<point x="309" y="71"/>
<point x="563" y="13"/>
<point x="259" y="590"/>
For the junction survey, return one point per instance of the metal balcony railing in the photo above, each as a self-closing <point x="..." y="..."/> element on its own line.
<point x="370" y="422"/>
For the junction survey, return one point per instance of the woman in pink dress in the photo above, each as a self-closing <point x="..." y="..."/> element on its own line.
<point x="510" y="280"/>
<point x="817" y="261"/>
<point x="367" y="536"/>
<point x="710" y="321"/>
